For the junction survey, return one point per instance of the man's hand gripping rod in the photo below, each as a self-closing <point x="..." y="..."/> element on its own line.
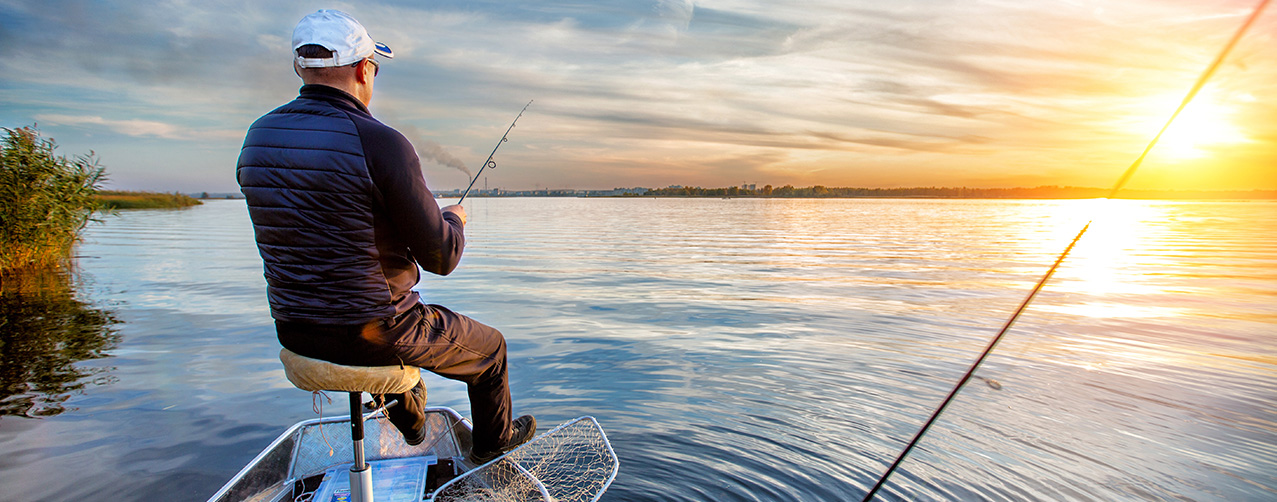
<point x="491" y="162"/>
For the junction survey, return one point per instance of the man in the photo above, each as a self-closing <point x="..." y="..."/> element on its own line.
<point x="343" y="219"/>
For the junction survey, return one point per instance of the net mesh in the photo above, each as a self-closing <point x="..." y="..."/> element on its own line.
<point x="572" y="463"/>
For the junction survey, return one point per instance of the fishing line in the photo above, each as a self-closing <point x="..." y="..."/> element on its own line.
<point x="1126" y="176"/>
<point x="490" y="162"/>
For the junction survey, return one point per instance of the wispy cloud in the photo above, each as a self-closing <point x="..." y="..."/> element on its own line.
<point x="131" y="127"/>
<point x="136" y="127"/>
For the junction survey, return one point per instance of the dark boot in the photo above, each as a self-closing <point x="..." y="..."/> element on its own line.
<point x="525" y="427"/>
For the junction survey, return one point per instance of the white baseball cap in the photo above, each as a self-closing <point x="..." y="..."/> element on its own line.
<point x="338" y="32"/>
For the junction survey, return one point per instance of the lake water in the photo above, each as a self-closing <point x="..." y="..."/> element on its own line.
<point x="740" y="349"/>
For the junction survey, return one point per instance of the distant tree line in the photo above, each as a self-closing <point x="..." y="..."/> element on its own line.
<point x="1041" y="192"/>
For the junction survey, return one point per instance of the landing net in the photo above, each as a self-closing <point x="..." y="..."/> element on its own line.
<point x="572" y="463"/>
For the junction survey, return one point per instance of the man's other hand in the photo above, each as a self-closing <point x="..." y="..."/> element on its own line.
<point x="457" y="210"/>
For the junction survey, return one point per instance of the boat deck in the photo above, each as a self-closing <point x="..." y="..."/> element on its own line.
<point x="295" y="463"/>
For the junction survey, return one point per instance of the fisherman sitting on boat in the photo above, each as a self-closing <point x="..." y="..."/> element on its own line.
<point x="343" y="219"/>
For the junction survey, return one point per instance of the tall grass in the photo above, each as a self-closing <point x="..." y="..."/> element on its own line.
<point x="45" y="200"/>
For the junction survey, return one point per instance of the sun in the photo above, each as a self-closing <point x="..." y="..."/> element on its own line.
<point x="1204" y="124"/>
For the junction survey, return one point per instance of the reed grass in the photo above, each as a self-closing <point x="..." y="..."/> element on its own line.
<point x="45" y="200"/>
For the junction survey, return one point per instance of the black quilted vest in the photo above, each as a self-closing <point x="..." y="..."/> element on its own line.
<point x="311" y="199"/>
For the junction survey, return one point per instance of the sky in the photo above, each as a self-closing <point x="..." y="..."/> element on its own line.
<point x="995" y="93"/>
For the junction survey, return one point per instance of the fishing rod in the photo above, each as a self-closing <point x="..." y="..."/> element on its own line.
<point x="1126" y="176"/>
<point x="490" y="162"/>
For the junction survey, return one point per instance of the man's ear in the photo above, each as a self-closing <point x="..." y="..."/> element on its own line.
<point x="361" y="72"/>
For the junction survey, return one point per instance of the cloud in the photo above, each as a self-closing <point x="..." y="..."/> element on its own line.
<point x="127" y="127"/>
<point x="135" y="127"/>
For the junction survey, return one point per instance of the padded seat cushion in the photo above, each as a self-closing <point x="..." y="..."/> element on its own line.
<point x="314" y="375"/>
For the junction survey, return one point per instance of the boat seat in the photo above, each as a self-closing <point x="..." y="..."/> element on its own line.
<point x="316" y="375"/>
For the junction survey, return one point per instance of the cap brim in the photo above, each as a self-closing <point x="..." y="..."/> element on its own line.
<point x="383" y="50"/>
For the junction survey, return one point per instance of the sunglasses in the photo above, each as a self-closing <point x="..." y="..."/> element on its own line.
<point x="376" y="67"/>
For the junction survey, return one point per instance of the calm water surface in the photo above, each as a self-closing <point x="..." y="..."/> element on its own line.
<point x="736" y="349"/>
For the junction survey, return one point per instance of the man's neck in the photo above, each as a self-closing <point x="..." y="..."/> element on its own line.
<point x="352" y="88"/>
<point x="329" y="92"/>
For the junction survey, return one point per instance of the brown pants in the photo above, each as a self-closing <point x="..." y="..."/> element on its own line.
<point x="431" y="337"/>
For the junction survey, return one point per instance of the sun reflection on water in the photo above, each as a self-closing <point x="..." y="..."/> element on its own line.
<point x="1114" y="260"/>
<point x="1151" y="276"/>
